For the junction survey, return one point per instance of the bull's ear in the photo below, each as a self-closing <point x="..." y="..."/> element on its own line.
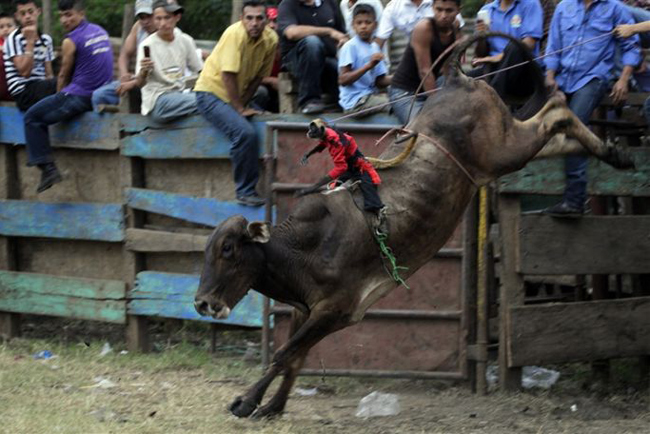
<point x="259" y="232"/>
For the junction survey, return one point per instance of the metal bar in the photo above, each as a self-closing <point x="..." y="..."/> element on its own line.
<point x="423" y="375"/>
<point x="269" y="175"/>
<point x="454" y="315"/>
<point x="303" y="126"/>
<point x="287" y="187"/>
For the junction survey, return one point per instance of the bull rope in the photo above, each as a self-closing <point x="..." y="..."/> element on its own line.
<point x="428" y="92"/>
<point x="387" y="253"/>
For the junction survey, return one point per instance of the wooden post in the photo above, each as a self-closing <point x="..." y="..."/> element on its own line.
<point x="481" y="292"/>
<point x="468" y="283"/>
<point x="47" y="17"/>
<point x="600" y="369"/>
<point x="235" y="12"/>
<point x="512" y="285"/>
<point x="9" y="322"/>
<point x="132" y="175"/>
<point x="127" y="23"/>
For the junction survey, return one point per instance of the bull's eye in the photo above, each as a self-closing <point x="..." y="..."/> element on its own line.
<point x="226" y="250"/>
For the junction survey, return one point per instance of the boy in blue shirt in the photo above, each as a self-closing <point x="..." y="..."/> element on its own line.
<point x="361" y="66"/>
<point x="522" y="19"/>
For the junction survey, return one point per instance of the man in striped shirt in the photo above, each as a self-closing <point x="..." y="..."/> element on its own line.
<point x="28" y="58"/>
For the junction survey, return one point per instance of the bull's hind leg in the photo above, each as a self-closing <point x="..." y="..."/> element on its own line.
<point x="277" y="403"/>
<point x="320" y="323"/>
<point x="577" y="135"/>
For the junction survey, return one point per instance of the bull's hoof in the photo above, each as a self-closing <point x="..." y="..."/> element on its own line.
<point x="267" y="412"/>
<point x="620" y="158"/>
<point x="241" y="407"/>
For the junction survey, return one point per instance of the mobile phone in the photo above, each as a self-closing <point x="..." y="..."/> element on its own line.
<point x="147" y="53"/>
<point x="484" y="15"/>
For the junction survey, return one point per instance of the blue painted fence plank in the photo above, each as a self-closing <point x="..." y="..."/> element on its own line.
<point x="193" y="209"/>
<point x="89" y="130"/>
<point x="172" y="296"/>
<point x="79" y="221"/>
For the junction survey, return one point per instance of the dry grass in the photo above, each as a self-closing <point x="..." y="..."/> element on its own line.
<point x="184" y="389"/>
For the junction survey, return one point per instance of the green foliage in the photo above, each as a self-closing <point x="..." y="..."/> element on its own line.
<point x="203" y="19"/>
<point x="471" y="7"/>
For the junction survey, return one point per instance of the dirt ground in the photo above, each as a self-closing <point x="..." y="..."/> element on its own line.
<point x="183" y="388"/>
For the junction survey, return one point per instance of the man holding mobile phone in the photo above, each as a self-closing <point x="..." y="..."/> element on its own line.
<point x="522" y="19"/>
<point x="163" y="58"/>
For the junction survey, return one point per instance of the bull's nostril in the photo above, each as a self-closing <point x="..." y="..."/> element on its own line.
<point x="201" y="306"/>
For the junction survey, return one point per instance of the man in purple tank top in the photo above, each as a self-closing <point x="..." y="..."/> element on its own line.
<point x="87" y="64"/>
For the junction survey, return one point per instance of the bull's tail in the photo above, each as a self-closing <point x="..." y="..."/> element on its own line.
<point x="540" y="94"/>
<point x="397" y="160"/>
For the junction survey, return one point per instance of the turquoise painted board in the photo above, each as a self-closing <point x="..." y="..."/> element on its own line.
<point x="546" y="176"/>
<point x="70" y="297"/>
<point x="172" y="296"/>
<point x="202" y="142"/>
<point x="78" y="221"/>
<point x="89" y="130"/>
<point x="133" y="123"/>
<point x="193" y="209"/>
<point x="194" y="137"/>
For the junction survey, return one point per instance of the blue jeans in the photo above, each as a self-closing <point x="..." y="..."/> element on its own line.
<point x="243" y="150"/>
<point x="51" y="110"/>
<point x="107" y="94"/>
<point x="173" y="105"/>
<point x="315" y="72"/>
<point x="400" y="103"/>
<point x="581" y="102"/>
<point x="401" y="107"/>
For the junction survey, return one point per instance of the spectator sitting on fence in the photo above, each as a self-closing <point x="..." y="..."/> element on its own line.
<point x="361" y="67"/>
<point x="160" y="72"/>
<point x="311" y="31"/>
<point x="431" y="37"/>
<point x="28" y="56"/>
<point x="403" y="15"/>
<point x="583" y="72"/>
<point x="86" y="65"/>
<point x="143" y="27"/>
<point x="7" y="25"/>
<point x="522" y="19"/>
<point x="266" y="96"/>
<point x="233" y="72"/>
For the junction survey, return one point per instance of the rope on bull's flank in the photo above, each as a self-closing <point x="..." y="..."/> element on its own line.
<point x="388" y="254"/>
<point x="428" y="92"/>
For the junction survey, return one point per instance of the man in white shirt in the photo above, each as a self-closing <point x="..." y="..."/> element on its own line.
<point x="403" y="15"/>
<point x="166" y="90"/>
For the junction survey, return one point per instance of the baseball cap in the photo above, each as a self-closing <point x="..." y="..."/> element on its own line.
<point x="143" y="7"/>
<point x="170" y="6"/>
<point x="271" y="13"/>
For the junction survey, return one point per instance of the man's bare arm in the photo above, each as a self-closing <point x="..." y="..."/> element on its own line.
<point x="127" y="52"/>
<point x="68" y="49"/>
<point x="49" y="72"/>
<point x="230" y="82"/>
<point x="296" y="32"/>
<point x="250" y="91"/>
<point x="421" y="43"/>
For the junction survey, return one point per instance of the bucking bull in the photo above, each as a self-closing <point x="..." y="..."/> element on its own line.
<point x="323" y="259"/>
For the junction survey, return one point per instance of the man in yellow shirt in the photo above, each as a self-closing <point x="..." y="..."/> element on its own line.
<point x="230" y="77"/>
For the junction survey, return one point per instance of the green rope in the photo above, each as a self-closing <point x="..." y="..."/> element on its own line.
<point x="388" y="253"/>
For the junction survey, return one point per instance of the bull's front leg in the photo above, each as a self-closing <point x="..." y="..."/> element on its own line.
<point x="319" y="324"/>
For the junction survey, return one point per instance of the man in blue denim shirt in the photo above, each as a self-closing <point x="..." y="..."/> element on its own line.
<point x="582" y="73"/>
<point x="522" y="19"/>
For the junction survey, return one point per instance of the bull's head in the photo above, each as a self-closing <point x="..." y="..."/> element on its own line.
<point x="233" y="260"/>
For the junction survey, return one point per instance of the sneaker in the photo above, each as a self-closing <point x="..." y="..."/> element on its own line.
<point x="564" y="210"/>
<point x="49" y="176"/>
<point x="252" y="200"/>
<point x="313" y="107"/>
